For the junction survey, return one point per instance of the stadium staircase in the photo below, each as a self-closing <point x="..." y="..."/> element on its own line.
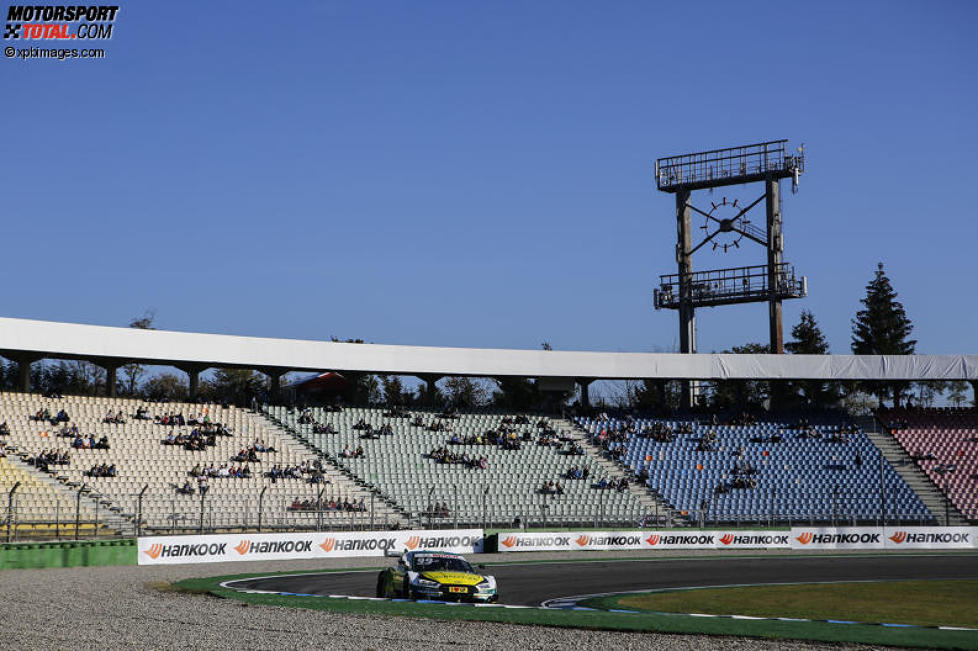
<point x="394" y="515"/>
<point x="142" y="460"/>
<point x="663" y="513"/>
<point x="916" y="479"/>
<point x="44" y="508"/>
<point x="943" y="442"/>
<point x="430" y="493"/>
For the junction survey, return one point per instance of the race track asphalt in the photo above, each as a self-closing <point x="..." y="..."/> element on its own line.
<point x="531" y="584"/>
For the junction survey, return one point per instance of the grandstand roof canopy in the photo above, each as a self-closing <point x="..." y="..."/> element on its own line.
<point x="23" y="338"/>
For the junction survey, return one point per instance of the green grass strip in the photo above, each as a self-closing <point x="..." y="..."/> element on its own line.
<point x="923" y="603"/>
<point x="596" y="620"/>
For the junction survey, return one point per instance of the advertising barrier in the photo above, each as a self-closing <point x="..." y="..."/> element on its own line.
<point x="172" y="550"/>
<point x="814" y="538"/>
<point x="837" y="538"/>
<point x="760" y="539"/>
<point x="884" y="537"/>
<point x="930" y="537"/>
<point x="610" y="540"/>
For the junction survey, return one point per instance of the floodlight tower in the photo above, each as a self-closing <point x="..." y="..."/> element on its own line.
<point x="766" y="163"/>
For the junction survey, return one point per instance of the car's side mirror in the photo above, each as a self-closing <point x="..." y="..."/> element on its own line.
<point x="481" y="566"/>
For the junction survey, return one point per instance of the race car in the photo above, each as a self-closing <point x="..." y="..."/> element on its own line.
<point x="440" y="576"/>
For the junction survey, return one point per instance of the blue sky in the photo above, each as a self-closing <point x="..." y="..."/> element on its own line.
<point x="479" y="174"/>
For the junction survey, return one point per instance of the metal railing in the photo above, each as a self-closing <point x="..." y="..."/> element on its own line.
<point x="733" y="285"/>
<point x="727" y="166"/>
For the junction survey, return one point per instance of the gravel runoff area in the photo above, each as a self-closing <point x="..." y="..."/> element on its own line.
<point x="124" y="607"/>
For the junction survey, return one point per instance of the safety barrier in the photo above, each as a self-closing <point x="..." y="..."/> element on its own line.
<point x="798" y="538"/>
<point x="169" y="550"/>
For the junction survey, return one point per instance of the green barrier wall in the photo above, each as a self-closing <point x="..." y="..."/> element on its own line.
<point x="67" y="554"/>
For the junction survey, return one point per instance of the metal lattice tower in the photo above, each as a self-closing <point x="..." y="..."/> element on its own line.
<point x="767" y="163"/>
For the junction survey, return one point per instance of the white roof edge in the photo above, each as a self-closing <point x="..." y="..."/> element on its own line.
<point x="185" y="348"/>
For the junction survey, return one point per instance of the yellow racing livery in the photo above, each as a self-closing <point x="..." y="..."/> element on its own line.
<point x="436" y="576"/>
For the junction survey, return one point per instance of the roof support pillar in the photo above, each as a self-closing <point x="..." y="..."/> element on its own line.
<point x="193" y="372"/>
<point x="24" y="371"/>
<point x="274" y="382"/>
<point x="585" y="384"/>
<point x="111" y="370"/>
<point x="430" y="380"/>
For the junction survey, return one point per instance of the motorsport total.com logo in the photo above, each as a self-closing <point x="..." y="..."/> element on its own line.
<point x="59" y="22"/>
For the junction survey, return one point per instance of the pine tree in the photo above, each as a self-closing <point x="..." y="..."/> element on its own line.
<point x="808" y="337"/>
<point x="882" y="328"/>
<point x="809" y="340"/>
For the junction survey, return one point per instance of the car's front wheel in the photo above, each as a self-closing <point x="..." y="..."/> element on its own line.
<point x="382" y="585"/>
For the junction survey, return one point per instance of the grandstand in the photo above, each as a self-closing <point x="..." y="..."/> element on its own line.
<point x="694" y="471"/>
<point x="944" y="445"/>
<point x="684" y="471"/>
<point x="507" y="491"/>
<point x="142" y="461"/>
<point x="774" y="472"/>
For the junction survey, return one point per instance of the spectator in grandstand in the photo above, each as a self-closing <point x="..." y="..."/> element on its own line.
<point x="202" y="485"/>
<point x="115" y="419"/>
<point x="41" y="415"/>
<point x="101" y="470"/>
<point x="261" y="447"/>
<point x="51" y="458"/>
<point x="3" y="450"/>
<point x="4" y="429"/>
<point x="186" y="489"/>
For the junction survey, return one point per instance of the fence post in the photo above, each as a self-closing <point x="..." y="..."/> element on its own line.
<point x="319" y="509"/>
<point x="201" y="528"/>
<point x="372" y="496"/>
<point x="485" y="492"/>
<point x="57" y="521"/>
<point x="10" y="509"/>
<point x="835" y="506"/>
<point x="139" y="512"/>
<point x="261" y="505"/>
<point x="78" y="509"/>
<point x="96" y="517"/>
<point x="455" y="507"/>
